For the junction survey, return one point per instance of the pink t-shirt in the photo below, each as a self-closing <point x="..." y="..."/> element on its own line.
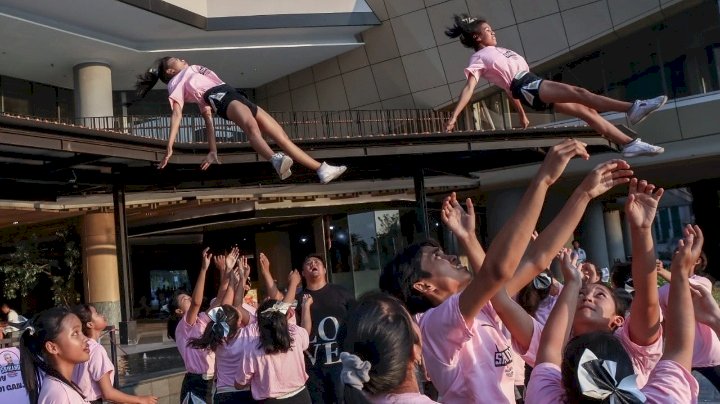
<point x="196" y="360"/>
<point x="497" y="65"/>
<point x="230" y="355"/>
<point x="191" y="84"/>
<point x="706" y="350"/>
<point x="546" y="305"/>
<point x="469" y="364"/>
<point x="278" y="374"/>
<point x="53" y="391"/>
<point x="87" y="374"/>
<point x="669" y="383"/>
<point x="405" y="398"/>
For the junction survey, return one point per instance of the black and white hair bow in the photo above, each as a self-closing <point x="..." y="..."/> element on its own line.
<point x="221" y="325"/>
<point x="597" y="380"/>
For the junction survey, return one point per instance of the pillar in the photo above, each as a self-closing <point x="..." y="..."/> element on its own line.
<point x="93" y="93"/>
<point x="593" y="239"/>
<point x="614" y="237"/>
<point x="100" y="267"/>
<point x="500" y="207"/>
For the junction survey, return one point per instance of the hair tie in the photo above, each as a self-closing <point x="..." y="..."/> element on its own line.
<point x="279" y="307"/>
<point x="597" y="380"/>
<point x="218" y="315"/>
<point x="469" y="20"/>
<point x="355" y="371"/>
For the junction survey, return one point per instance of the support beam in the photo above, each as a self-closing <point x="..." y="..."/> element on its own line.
<point x="128" y="334"/>
<point x="423" y="225"/>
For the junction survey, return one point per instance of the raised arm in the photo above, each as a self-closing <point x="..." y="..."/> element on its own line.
<point x="270" y="286"/>
<point x="294" y="280"/>
<point x="680" y="320"/>
<point x="557" y="328"/>
<point x="465" y="96"/>
<point x="462" y="224"/>
<point x="240" y="277"/>
<point x="219" y="262"/>
<point x="640" y="208"/>
<point x="175" y="119"/>
<point x="506" y="250"/>
<point x="662" y="271"/>
<point x="541" y="252"/>
<point x="706" y="308"/>
<point x="197" y="294"/>
<point x="306" y="321"/>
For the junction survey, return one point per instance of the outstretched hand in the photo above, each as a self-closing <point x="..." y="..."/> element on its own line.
<point x="704" y="304"/>
<point x="165" y="160"/>
<point x="568" y="265"/>
<point x="211" y="158"/>
<point x="450" y="125"/>
<point x="232" y="257"/>
<point x="459" y="221"/>
<point x="206" y="258"/>
<point x="688" y="251"/>
<point x="605" y="176"/>
<point x="642" y="203"/>
<point x="264" y="263"/>
<point x="558" y="158"/>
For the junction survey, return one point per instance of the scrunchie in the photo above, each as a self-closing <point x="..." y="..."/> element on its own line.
<point x="220" y="318"/>
<point x="355" y="371"/>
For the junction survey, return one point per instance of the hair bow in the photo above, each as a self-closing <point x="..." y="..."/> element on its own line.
<point x="597" y="380"/>
<point x="279" y="307"/>
<point x="469" y="20"/>
<point x="218" y="315"/>
<point x="355" y="371"/>
<point x="542" y="281"/>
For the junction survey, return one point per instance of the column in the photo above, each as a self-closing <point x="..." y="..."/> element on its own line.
<point x="93" y="93"/>
<point x="593" y="238"/>
<point x="100" y="267"/>
<point x="500" y="207"/>
<point x="614" y="237"/>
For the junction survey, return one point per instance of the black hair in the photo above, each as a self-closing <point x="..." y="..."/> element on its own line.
<point x="146" y="81"/>
<point x="597" y="270"/>
<point x="46" y="326"/>
<point x="606" y="347"/>
<point x="465" y="27"/>
<point x="701" y="266"/>
<point x="174" y="318"/>
<point x="623" y="299"/>
<point x="620" y="274"/>
<point x="402" y="272"/>
<point x="379" y="330"/>
<point x="214" y="334"/>
<point x="529" y="297"/>
<point x="273" y="326"/>
<point x="85" y="315"/>
<point x="315" y="255"/>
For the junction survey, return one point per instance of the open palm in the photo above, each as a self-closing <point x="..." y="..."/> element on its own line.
<point x="642" y="203"/>
<point x="459" y="221"/>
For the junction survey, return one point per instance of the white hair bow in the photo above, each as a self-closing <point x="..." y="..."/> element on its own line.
<point x="355" y="371"/>
<point x="597" y="380"/>
<point x="218" y="315"/>
<point x="469" y="20"/>
<point x="279" y="307"/>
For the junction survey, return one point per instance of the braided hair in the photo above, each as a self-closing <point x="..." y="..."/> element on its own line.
<point x="466" y="28"/>
<point x="46" y="326"/>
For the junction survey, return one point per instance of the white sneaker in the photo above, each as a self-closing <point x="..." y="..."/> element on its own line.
<point x="327" y="173"/>
<point x="639" y="148"/>
<point x="642" y="108"/>
<point x="282" y="164"/>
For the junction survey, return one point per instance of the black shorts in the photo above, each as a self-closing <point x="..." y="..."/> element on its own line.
<point x="527" y="90"/>
<point x="220" y="97"/>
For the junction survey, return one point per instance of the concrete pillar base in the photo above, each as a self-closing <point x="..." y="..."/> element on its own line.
<point x="111" y="311"/>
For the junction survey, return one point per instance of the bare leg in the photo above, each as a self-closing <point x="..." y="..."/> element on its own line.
<point x="597" y="122"/>
<point x="269" y="126"/>
<point x="242" y="116"/>
<point x="555" y="92"/>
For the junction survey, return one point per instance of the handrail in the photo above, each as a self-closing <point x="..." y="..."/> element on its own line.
<point x="299" y="125"/>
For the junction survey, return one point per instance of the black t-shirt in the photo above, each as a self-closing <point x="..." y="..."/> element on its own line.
<point x="330" y="307"/>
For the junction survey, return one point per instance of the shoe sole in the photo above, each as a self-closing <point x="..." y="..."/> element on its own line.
<point x="647" y="153"/>
<point x="337" y="174"/>
<point x="285" y="166"/>
<point x="285" y="175"/>
<point x="648" y="114"/>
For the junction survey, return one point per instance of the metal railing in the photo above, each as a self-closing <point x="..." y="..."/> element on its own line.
<point x="299" y="125"/>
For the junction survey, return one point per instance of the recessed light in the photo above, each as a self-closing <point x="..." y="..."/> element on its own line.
<point x="16" y="222"/>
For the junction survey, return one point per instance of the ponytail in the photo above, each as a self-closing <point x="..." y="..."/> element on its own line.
<point x="222" y="326"/>
<point x="146" y="81"/>
<point x="465" y="27"/>
<point x="46" y="327"/>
